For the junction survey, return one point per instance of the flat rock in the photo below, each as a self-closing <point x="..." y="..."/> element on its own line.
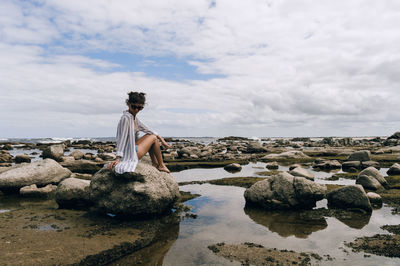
<point x="351" y="197"/>
<point x="33" y="191"/>
<point x="82" y="166"/>
<point x="299" y="171"/>
<point x="145" y="192"/>
<point x="41" y="173"/>
<point x="327" y="164"/>
<point x="285" y="155"/>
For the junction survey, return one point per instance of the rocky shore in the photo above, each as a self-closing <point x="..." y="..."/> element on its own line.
<point x="78" y="202"/>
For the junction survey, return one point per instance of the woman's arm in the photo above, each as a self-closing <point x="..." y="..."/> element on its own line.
<point x="145" y="129"/>
<point x="121" y="139"/>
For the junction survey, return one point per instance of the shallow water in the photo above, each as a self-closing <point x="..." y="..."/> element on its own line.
<point x="222" y="217"/>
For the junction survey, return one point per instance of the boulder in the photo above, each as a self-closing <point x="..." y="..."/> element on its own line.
<point x="272" y="166"/>
<point x="233" y="167"/>
<point x="373" y="172"/>
<point x="146" y="191"/>
<point x="351" y="166"/>
<point x="83" y="166"/>
<point x="22" y="158"/>
<point x="73" y="193"/>
<point x="394" y="169"/>
<point x="299" y="171"/>
<point x="41" y="173"/>
<point x="67" y="159"/>
<point x="33" y="191"/>
<point x="327" y="164"/>
<point x="375" y="199"/>
<point x="54" y="152"/>
<point x="368" y="182"/>
<point x="285" y="155"/>
<point x="351" y="197"/>
<point x="284" y="191"/>
<point x="77" y="154"/>
<point x="360" y="156"/>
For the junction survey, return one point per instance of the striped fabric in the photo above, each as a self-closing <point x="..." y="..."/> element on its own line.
<point x="126" y="142"/>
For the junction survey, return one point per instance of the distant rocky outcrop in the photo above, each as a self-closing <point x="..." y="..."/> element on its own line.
<point x="285" y="191"/>
<point x="285" y="155"/>
<point x="144" y="192"/>
<point x="41" y="173"/>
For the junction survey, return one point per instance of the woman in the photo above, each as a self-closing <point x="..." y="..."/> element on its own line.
<point x="131" y="148"/>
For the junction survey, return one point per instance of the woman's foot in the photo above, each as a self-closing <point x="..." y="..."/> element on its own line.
<point x="163" y="168"/>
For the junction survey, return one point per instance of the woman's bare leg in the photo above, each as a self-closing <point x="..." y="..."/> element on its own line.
<point x="149" y="143"/>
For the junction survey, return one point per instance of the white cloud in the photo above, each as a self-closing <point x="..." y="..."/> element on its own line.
<point x="287" y="68"/>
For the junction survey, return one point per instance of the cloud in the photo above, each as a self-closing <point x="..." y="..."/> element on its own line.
<point x="278" y="68"/>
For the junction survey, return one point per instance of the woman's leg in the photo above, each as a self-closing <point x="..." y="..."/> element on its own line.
<point x="149" y="143"/>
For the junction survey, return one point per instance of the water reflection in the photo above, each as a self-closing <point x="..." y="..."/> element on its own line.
<point x="155" y="253"/>
<point x="287" y="223"/>
<point x="353" y="219"/>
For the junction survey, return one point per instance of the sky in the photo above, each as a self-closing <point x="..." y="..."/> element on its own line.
<point x="217" y="68"/>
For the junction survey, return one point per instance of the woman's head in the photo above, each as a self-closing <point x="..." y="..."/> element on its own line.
<point x="135" y="101"/>
<point x="136" y="97"/>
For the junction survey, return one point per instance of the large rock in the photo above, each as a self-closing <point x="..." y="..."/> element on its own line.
<point x="144" y="192"/>
<point x="394" y="169"/>
<point x="54" y="152"/>
<point x="285" y="155"/>
<point x="41" y="173"/>
<point x="77" y="154"/>
<point x="233" y="167"/>
<point x="349" y="197"/>
<point x="82" y="166"/>
<point x="360" y="156"/>
<point x="22" y="158"/>
<point x="73" y="193"/>
<point x="33" y="191"/>
<point x="374" y="173"/>
<point x="368" y="182"/>
<point x="300" y="171"/>
<point x="284" y="191"/>
<point x="351" y="166"/>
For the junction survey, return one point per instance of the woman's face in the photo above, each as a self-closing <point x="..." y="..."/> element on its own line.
<point x="134" y="108"/>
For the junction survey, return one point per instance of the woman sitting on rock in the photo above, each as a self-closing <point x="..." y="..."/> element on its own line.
<point x="131" y="148"/>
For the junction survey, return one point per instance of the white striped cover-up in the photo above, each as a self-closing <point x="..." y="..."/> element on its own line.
<point x="126" y="142"/>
